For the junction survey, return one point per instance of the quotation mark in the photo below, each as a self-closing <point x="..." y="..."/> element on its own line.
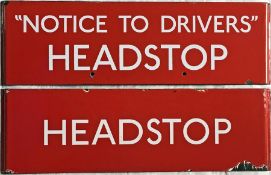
<point x="18" y="17"/>
<point x="254" y="18"/>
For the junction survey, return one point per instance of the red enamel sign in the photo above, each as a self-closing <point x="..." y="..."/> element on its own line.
<point x="135" y="43"/>
<point x="135" y="130"/>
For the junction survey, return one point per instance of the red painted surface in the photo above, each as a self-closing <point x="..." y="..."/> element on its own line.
<point x="26" y="54"/>
<point x="26" y="110"/>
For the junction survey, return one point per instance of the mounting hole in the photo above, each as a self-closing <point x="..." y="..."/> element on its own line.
<point x="184" y="73"/>
<point x="92" y="75"/>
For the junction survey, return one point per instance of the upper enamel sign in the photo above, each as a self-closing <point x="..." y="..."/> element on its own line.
<point x="92" y="43"/>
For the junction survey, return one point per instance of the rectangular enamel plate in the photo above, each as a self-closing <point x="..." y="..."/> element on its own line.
<point x="65" y="43"/>
<point x="53" y="131"/>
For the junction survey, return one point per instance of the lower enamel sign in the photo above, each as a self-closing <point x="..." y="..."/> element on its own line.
<point x="76" y="131"/>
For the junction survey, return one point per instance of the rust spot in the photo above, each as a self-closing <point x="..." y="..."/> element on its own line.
<point x="86" y="90"/>
<point x="249" y="82"/>
<point x="8" y="171"/>
<point x="201" y="90"/>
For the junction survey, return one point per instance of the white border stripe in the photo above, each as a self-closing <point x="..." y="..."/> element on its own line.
<point x="259" y="1"/>
<point x="138" y="87"/>
<point x="170" y="173"/>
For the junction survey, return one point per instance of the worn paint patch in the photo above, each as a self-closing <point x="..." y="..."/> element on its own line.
<point x="248" y="166"/>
